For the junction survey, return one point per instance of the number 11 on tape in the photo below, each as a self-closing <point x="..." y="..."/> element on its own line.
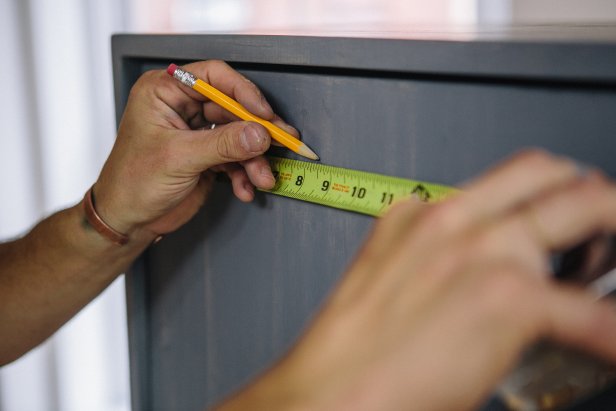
<point x="347" y="189"/>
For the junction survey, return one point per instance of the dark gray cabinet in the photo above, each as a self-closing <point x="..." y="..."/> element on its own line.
<point x="213" y="304"/>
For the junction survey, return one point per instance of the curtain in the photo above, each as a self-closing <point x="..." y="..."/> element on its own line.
<point x="57" y="127"/>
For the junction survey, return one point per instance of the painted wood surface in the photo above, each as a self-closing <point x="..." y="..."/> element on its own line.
<point x="217" y="302"/>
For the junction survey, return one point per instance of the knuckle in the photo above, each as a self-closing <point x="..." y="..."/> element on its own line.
<point x="394" y="219"/>
<point x="535" y="158"/>
<point x="502" y="290"/>
<point x="143" y="83"/>
<point x="226" y="147"/>
<point x="148" y="76"/>
<point x="592" y="190"/>
<point x="542" y="161"/>
<point x="600" y="182"/>
<point x="216" y="62"/>
<point x="604" y="181"/>
<point x="151" y="73"/>
<point x="399" y="209"/>
<point x="601" y="318"/>
<point x="445" y="217"/>
<point x="598" y="191"/>
<point x="484" y="244"/>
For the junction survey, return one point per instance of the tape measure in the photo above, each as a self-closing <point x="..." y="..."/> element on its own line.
<point x="347" y="189"/>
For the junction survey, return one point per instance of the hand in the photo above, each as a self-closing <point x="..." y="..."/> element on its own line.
<point x="161" y="167"/>
<point x="443" y="298"/>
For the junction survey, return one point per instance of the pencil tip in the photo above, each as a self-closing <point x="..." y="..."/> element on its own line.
<point x="305" y="151"/>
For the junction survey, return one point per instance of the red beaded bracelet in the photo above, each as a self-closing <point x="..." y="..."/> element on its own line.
<point x="97" y="222"/>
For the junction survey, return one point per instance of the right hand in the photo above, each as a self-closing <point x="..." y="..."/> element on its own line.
<point x="443" y="298"/>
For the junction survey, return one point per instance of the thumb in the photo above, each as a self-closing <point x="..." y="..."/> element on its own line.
<point x="233" y="142"/>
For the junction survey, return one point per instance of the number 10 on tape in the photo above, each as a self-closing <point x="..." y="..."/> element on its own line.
<point x="347" y="189"/>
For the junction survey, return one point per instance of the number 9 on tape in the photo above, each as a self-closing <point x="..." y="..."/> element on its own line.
<point x="347" y="189"/>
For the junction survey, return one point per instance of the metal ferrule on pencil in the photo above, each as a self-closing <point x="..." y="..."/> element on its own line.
<point x="185" y="77"/>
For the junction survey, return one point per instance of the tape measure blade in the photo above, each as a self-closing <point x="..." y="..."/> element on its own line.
<point x="347" y="189"/>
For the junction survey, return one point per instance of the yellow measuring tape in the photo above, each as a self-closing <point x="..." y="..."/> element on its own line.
<point x="347" y="189"/>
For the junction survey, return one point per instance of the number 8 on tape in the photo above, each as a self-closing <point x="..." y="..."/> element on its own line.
<point x="347" y="189"/>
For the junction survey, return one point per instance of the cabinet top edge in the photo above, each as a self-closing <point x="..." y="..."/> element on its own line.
<point x="583" y="57"/>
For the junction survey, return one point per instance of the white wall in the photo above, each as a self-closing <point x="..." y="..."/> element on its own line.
<point x="57" y="118"/>
<point x="552" y="11"/>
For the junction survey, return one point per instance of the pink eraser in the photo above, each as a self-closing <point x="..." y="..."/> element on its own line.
<point x="171" y="69"/>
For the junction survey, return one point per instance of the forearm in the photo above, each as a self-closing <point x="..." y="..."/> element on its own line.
<point x="47" y="276"/>
<point x="156" y="178"/>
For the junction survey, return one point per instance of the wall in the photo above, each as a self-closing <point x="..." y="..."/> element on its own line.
<point x="551" y="11"/>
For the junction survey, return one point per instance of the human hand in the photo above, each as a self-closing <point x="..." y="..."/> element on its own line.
<point x="161" y="167"/>
<point x="443" y="298"/>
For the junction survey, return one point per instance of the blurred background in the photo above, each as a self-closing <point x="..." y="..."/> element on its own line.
<point x="58" y="125"/>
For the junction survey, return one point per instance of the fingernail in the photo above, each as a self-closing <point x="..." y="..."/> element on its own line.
<point x="254" y="139"/>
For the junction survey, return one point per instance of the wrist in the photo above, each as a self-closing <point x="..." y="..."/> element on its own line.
<point x="109" y="227"/>
<point x="98" y="223"/>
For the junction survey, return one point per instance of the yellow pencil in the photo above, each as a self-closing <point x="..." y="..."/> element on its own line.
<point x="236" y="108"/>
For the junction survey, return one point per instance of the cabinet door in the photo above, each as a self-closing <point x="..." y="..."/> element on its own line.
<point x="224" y="297"/>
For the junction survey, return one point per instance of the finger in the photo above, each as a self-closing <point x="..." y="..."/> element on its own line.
<point x="216" y="114"/>
<point x="554" y="222"/>
<point x="242" y="188"/>
<point x="574" y="318"/>
<point x="489" y="199"/>
<point x="473" y="217"/>
<point x="494" y="244"/>
<point x="198" y="121"/>
<point x="220" y="75"/>
<point x="410" y="224"/>
<point x="514" y="182"/>
<point x="238" y="141"/>
<point x="188" y="103"/>
<point x="259" y="172"/>
<point x="240" y="183"/>
<point x="571" y="215"/>
<point x="286" y="127"/>
<point x="387" y="233"/>
<point x="394" y="224"/>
